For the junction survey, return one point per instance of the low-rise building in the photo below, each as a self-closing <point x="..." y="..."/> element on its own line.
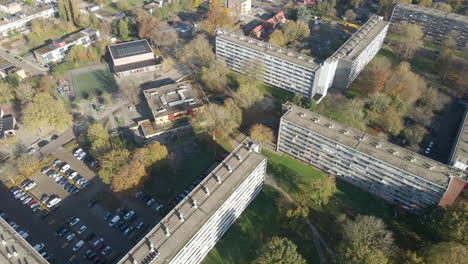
<point x="59" y="48"/>
<point x="187" y="233"/>
<point x="133" y="57"/>
<point x="172" y="102"/>
<point x="17" y="23"/>
<point x="13" y="7"/>
<point x="435" y="23"/>
<point x="266" y="28"/>
<point x="7" y="125"/>
<point x="393" y="173"/>
<point x="459" y="155"/>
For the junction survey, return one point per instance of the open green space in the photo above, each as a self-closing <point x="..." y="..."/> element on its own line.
<point x="93" y="81"/>
<point x="262" y="220"/>
<point x="35" y="40"/>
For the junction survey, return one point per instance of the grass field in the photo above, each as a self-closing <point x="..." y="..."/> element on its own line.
<point x="91" y="82"/>
<point x="261" y="221"/>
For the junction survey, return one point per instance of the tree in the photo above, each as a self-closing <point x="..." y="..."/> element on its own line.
<point x="62" y="12"/>
<point x="131" y="91"/>
<point x="392" y="122"/>
<point x="442" y="7"/>
<point x="457" y="5"/>
<point x="98" y="140"/>
<point x="304" y="14"/>
<point x="197" y="53"/>
<point x="24" y="93"/>
<point x="123" y="29"/>
<point x="426" y="3"/>
<point x="75" y="12"/>
<point x="279" y="251"/>
<point x="410" y="257"/>
<point x="414" y="135"/>
<point x="36" y="27"/>
<point x="217" y="17"/>
<point x="405" y="85"/>
<point x="147" y="26"/>
<point x="111" y="164"/>
<point x="356" y="3"/>
<point x="247" y="94"/>
<point x="214" y="77"/>
<point x="350" y="15"/>
<point x="295" y="30"/>
<point x="261" y="133"/>
<point x="129" y="176"/>
<point x="433" y="100"/>
<point x="94" y="21"/>
<point x="448" y="224"/>
<point x="378" y="102"/>
<point x="123" y="5"/>
<point x="39" y="113"/>
<point x="447" y="252"/>
<point x="445" y="63"/>
<point x="365" y="240"/>
<point x="412" y="36"/>
<point x="6" y="93"/>
<point x="8" y="170"/>
<point x="151" y="154"/>
<point x="13" y="79"/>
<point x="197" y="3"/>
<point x="320" y="191"/>
<point x="277" y="38"/>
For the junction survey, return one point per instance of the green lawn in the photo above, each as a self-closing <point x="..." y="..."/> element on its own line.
<point x="90" y="82"/>
<point x="261" y="221"/>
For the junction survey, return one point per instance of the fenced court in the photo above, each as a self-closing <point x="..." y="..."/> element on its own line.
<point x="93" y="81"/>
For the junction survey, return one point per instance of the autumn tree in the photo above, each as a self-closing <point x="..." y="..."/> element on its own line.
<point x="123" y="5"/>
<point x="376" y="74"/>
<point x="405" y="84"/>
<point x="410" y="257"/>
<point x="217" y="17"/>
<point x="411" y="39"/>
<point x="280" y="251"/>
<point x="447" y="252"/>
<point x="8" y="170"/>
<point x="98" y="139"/>
<point x="261" y="133"/>
<point x="277" y="38"/>
<point x="365" y="240"/>
<point x="442" y="7"/>
<point x="356" y="3"/>
<point x="350" y="15"/>
<point x="39" y="113"/>
<point x="295" y="30"/>
<point x="6" y="93"/>
<point x="111" y="164"/>
<point x="426" y="3"/>
<point x="445" y="63"/>
<point x="319" y="191"/>
<point x="147" y="26"/>
<point x="130" y="175"/>
<point x="247" y="94"/>
<point x="197" y="53"/>
<point x="24" y="93"/>
<point x="151" y="154"/>
<point x="214" y="77"/>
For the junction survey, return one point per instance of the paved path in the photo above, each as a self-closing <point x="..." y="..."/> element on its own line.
<point x="318" y="240"/>
<point x="28" y="66"/>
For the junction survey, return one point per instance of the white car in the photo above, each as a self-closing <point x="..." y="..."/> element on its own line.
<point x="56" y="163"/>
<point x="82" y="229"/>
<point x="78" y="245"/>
<point x="30" y="186"/>
<point x="73" y="175"/>
<point x="53" y="202"/>
<point x="74" y="221"/>
<point x="98" y="241"/>
<point x="129" y="215"/>
<point x="31" y="151"/>
<point x="77" y="152"/>
<point x="39" y="247"/>
<point x="23" y="234"/>
<point x="65" y="167"/>
<point x="81" y="156"/>
<point x="70" y="237"/>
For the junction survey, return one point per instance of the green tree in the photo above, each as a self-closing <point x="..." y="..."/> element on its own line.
<point x="350" y="15"/>
<point x="98" y="140"/>
<point x="62" y="12"/>
<point x="94" y="21"/>
<point x="411" y="39"/>
<point x="449" y="223"/>
<point x="304" y="14"/>
<point x="319" y="191"/>
<point x="356" y="3"/>
<point x="214" y="77"/>
<point x="410" y="257"/>
<point x="442" y="7"/>
<point x="261" y="133"/>
<point x="112" y="163"/>
<point x="295" y="30"/>
<point x="277" y="38"/>
<point x="39" y="113"/>
<point x="24" y="93"/>
<point x="247" y="95"/>
<point x="13" y="79"/>
<point x="279" y="251"/>
<point x="426" y="3"/>
<point x="447" y="252"/>
<point x="123" y="29"/>
<point x="123" y="5"/>
<point x="197" y="53"/>
<point x="151" y="154"/>
<point x="75" y="12"/>
<point x="6" y="93"/>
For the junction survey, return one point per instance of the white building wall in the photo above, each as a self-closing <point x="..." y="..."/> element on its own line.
<point x="207" y="236"/>
<point x="25" y="21"/>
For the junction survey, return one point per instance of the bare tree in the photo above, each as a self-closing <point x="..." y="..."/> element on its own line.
<point x="130" y="91"/>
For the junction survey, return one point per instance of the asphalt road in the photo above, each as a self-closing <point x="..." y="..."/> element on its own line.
<point x="28" y="66"/>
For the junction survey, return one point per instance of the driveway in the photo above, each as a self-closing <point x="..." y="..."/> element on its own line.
<point x="27" y="65"/>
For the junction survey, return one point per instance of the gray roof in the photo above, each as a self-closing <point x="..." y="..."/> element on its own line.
<point x="401" y="158"/>
<point x="361" y="39"/>
<point x="6" y="124"/>
<point x="129" y="49"/>
<point x="194" y="219"/>
<point x="138" y="65"/>
<point x="460" y="149"/>
<point x="14" y="249"/>
<point x="269" y="48"/>
<point x="433" y="12"/>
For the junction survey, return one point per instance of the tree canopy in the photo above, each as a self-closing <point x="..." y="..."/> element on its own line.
<point x="279" y="251"/>
<point x="319" y="191"/>
<point x="262" y="133"/>
<point x="46" y="111"/>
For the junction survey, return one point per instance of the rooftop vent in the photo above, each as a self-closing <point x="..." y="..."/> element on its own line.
<point x="205" y="189"/>
<point x="392" y="151"/>
<point x="360" y="138"/>
<point x="194" y="203"/>
<point x="166" y="230"/>
<point x="270" y="47"/>
<point x="315" y="120"/>
<point x="279" y="50"/>
<point x="228" y="167"/>
<point x="218" y="179"/>
<point x="180" y="215"/>
<point x="254" y="147"/>
<point x="239" y="157"/>
<point x="344" y="131"/>
<point x="411" y="158"/>
<point x="329" y="125"/>
<point x="301" y="114"/>
<point x="290" y="53"/>
<point x="376" y="144"/>
<point x="250" y="41"/>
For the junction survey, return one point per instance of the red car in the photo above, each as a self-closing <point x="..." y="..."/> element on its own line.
<point x="173" y="203"/>
<point x="31" y="202"/>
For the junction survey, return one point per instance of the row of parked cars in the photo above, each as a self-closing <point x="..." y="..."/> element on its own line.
<point x="97" y="249"/>
<point x="24" y="234"/>
<point x="66" y="179"/>
<point x="123" y="221"/>
<point x="24" y="197"/>
<point x="80" y="154"/>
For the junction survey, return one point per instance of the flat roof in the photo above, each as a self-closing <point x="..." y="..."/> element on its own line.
<point x="433" y="12"/>
<point x="361" y="39"/>
<point x="460" y="150"/>
<point x="195" y="218"/>
<point x="129" y="49"/>
<point x="70" y="39"/>
<point x="270" y="49"/>
<point x="401" y="158"/>
<point x="138" y="65"/>
<point x="15" y="249"/>
<point x="172" y="98"/>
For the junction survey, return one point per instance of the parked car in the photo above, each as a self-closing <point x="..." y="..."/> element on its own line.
<point x="30" y="186"/>
<point x="159" y="207"/>
<point x="56" y="163"/>
<point x="91" y="203"/>
<point x="127" y="231"/>
<point x="31" y="151"/>
<point x="98" y="241"/>
<point x="73" y="221"/>
<point x="114" y="220"/>
<point x="78" y="245"/>
<point x="129" y="215"/>
<point x="81" y="156"/>
<point x="64" y="167"/>
<point x="53" y="201"/>
<point x="70" y="237"/>
<point x="106" y="250"/>
<point x="82" y="229"/>
<point x="77" y="152"/>
<point x="140" y="225"/>
<point x="73" y="175"/>
<point x="25" y="183"/>
<point x="150" y="202"/>
<point x="107" y="215"/>
<point x="54" y="137"/>
<point x="61" y="231"/>
<point x="44" y="198"/>
<point x="46" y="169"/>
<point x="39" y="247"/>
<point x="23" y="234"/>
<point x="27" y="200"/>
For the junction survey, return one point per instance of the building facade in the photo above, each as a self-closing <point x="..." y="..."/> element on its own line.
<point x="133" y="57"/>
<point x="435" y="23"/>
<point x="298" y="73"/>
<point x="238" y="7"/>
<point x="388" y="171"/>
<point x="17" y="24"/>
<point x="59" y="48"/>
<point x="459" y="154"/>
<point x="193" y="227"/>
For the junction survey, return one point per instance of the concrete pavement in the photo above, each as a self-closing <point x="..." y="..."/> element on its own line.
<point x="27" y="65"/>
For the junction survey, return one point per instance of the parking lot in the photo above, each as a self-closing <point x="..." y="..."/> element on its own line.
<point x="92" y="208"/>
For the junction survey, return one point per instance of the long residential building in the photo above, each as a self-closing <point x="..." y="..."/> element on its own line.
<point x="459" y="154"/>
<point x="14" y="249"/>
<point x="388" y="171"/>
<point x="193" y="227"/>
<point x="435" y="23"/>
<point x="297" y="72"/>
<point x="20" y="22"/>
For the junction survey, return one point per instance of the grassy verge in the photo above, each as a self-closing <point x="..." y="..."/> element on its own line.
<point x="70" y="145"/>
<point x="262" y="220"/>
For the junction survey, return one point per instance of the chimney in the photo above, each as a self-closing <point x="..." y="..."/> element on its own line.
<point x="229" y="168"/>
<point x="166" y="230"/>
<point x="218" y="179"/>
<point x="180" y="215"/>
<point x="194" y="204"/>
<point x="206" y="190"/>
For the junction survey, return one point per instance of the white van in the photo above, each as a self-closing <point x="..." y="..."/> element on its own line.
<point x="114" y="220"/>
<point x="78" y="245"/>
<point x="53" y="202"/>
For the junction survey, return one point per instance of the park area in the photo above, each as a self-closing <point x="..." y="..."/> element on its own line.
<point x="94" y="83"/>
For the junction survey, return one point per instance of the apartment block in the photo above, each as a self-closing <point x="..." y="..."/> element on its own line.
<point x="358" y="51"/>
<point x="238" y="7"/>
<point x="59" y="48"/>
<point x="435" y="23"/>
<point x="193" y="227"/>
<point x="459" y="154"/>
<point x="21" y="21"/>
<point x="298" y="73"/>
<point x="393" y="173"/>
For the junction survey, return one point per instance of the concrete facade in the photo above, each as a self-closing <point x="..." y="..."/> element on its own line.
<point x="459" y="154"/>
<point x="395" y="174"/>
<point x="133" y="57"/>
<point x="25" y="21"/>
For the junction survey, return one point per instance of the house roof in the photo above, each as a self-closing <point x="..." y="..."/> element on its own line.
<point x="6" y="124"/>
